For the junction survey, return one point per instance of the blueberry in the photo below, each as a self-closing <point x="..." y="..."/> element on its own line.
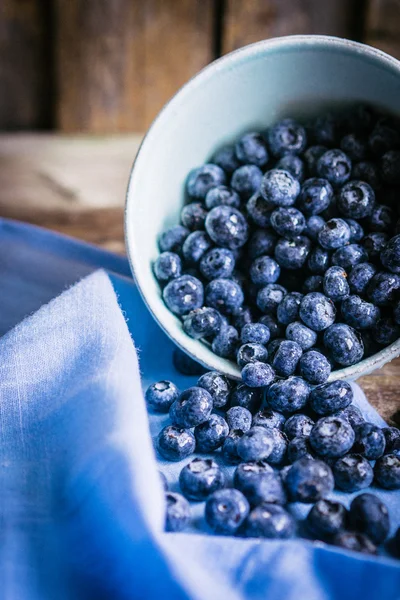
<point x="226" y="159"/>
<point x="202" y="323"/>
<point x="200" y="478"/>
<point x="386" y="331"/>
<point x="334" y="234"/>
<point x="299" y="447"/>
<point x="217" y="385"/>
<point x="270" y="521"/>
<point x="185" y="365"/>
<point x="255" y="333"/>
<point x="251" y="353"/>
<point x="317" y="311"/>
<point x="229" y="447"/>
<point x="298" y="425"/>
<point x="226" y="342"/>
<point x="367" y="171"/>
<point x="335" y="284"/>
<point x="382" y="218"/>
<point x="383" y="288"/>
<point x="247" y="397"/>
<point x="374" y="243"/>
<point x="255" y="444"/>
<point x="217" y="263"/>
<point x="382" y="139"/>
<point x="172" y="239"/>
<point x="311" y="157"/>
<point x="177" y="515"/>
<point x="272" y="419"/>
<point x="390" y="167"/>
<point x="288" y="222"/>
<point x="370" y="516"/>
<point x="259" y="210"/>
<point x="279" y="188"/>
<point x="193" y="407"/>
<point x="261" y="242"/>
<point x="335" y="166"/>
<point x="354" y="146"/>
<point x="358" y="313"/>
<point x="349" y="256"/>
<point x="224" y="295"/>
<point x="211" y="434"/>
<point x="239" y="417"/>
<point x="324" y="129"/>
<point x="183" y="294"/>
<point x="326" y="518"/>
<point x="251" y="149"/>
<point x="278" y="454"/>
<point x="293" y="253"/>
<point x="264" y="270"/>
<point x="193" y="216"/>
<point x="160" y="395"/>
<point x="195" y="246"/>
<point x="309" y="480"/>
<point x="390" y="255"/>
<point x="288" y="308"/>
<point x="356" y="231"/>
<point x="286" y="358"/>
<point x="318" y="260"/>
<point x="328" y="398"/>
<point x="286" y="137"/>
<point x="392" y="438"/>
<point x="246" y="180"/>
<point x="227" y="227"/>
<point x="387" y="472"/>
<point x="314" y="283"/>
<point x="302" y="335"/>
<point x="315" y="196"/>
<point x="257" y="374"/>
<point x="314" y="225"/>
<point x="352" y="473"/>
<point x="202" y="179"/>
<point x="293" y="164"/>
<point x="272" y="324"/>
<point x="332" y="437"/>
<point x="288" y="395"/>
<point x="174" y="443"/>
<point x="314" y="367"/>
<point x="356" y="542"/>
<point x="222" y="195"/>
<point x="269" y="297"/>
<point x="344" y="344"/>
<point x="167" y="266"/>
<point x="259" y="483"/>
<point x="226" y="510"/>
<point x="369" y="440"/>
<point x="356" y="200"/>
<point x="360" y="276"/>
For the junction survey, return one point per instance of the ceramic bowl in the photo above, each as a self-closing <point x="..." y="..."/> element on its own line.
<point x="248" y="89"/>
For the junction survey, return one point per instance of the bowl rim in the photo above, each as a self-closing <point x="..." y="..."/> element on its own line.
<point x="233" y="58"/>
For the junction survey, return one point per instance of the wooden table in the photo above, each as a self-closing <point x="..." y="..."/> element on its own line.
<point x="76" y="185"/>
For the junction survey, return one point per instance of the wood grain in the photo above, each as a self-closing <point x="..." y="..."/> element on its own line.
<point x="118" y="62"/>
<point x="382" y="28"/>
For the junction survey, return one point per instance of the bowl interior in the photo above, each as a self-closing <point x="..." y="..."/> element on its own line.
<point x="249" y="89"/>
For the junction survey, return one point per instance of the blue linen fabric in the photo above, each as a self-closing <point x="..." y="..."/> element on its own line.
<point x="81" y="505"/>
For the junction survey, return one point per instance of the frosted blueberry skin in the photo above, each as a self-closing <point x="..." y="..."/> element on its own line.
<point x="257" y="374"/>
<point x="352" y="414"/>
<point x="217" y="385"/>
<point x="192" y="408"/>
<point x="167" y="266"/>
<point x="226" y="158"/>
<point x="251" y="353"/>
<point x="261" y="242"/>
<point x="217" y="263"/>
<point x="269" y="297"/>
<point x="249" y="398"/>
<point x="299" y="447"/>
<point x="356" y="231"/>
<point x="334" y="234"/>
<point x="270" y="521"/>
<point x="344" y="344"/>
<point x="246" y="180"/>
<point x="308" y="480"/>
<point x="390" y="255"/>
<point x="259" y="483"/>
<point x="272" y="419"/>
<point x="183" y="294"/>
<point x="202" y="179"/>
<point x="317" y="311"/>
<point x="335" y="284"/>
<point x="369" y="440"/>
<point x="224" y="295"/>
<point x="318" y="260"/>
<point x="354" y="541"/>
<point x="202" y="322"/>
<point x="279" y="188"/>
<point x="255" y="444"/>
<point x="278" y="454"/>
<point x="200" y="478"/>
<point x="226" y="510"/>
<point x="292" y="254"/>
<point x="227" y="227"/>
<point x="382" y="218"/>
<point x="288" y="308"/>
<point x="239" y="417"/>
<point x="211" y="434"/>
<point x="392" y="438"/>
<point x="390" y="167"/>
<point x="222" y="195"/>
<point x="286" y="137"/>
<point x="328" y="398"/>
<point x="264" y="270"/>
<point x="226" y="342"/>
<point x="286" y="358"/>
<point x="326" y="518"/>
<point x="288" y="222"/>
<point x="315" y="196"/>
<point x="195" y="246"/>
<point x="370" y="516"/>
<point x="349" y="256"/>
<point x="352" y="473"/>
<point x="229" y="447"/>
<point x="332" y="437"/>
<point x="358" y="313"/>
<point x="160" y="395"/>
<point x="293" y="164"/>
<point x="252" y="149"/>
<point x="314" y="367"/>
<point x="171" y="240"/>
<point x="288" y="395"/>
<point x="335" y="166"/>
<point x="193" y="216"/>
<point x="177" y="514"/>
<point x="356" y="200"/>
<point x="297" y="425"/>
<point x="174" y="443"/>
<point x="387" y="472"/>
<point x="256" y="333"/>
<point x="360" y="276"/>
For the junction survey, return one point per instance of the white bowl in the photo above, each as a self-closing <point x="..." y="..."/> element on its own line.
<point x="247" y="89"/>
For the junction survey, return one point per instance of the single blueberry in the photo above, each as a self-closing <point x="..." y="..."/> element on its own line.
<point x="358" y="313"/>
<point x="349" y="256"/>
<point x="390" y="167"/>
<point x="239" y="417"/>
<point x="390" y="255"/>
<point x="226" y="342"/>
<point x="217" y="263"/>
<point x="211" y="434"/>
<point x="270" y="521"/>
<point x="252" y="149"/>
<point x="288" y="308"/>
<point x="354" y="146"/>
<point x="269" y="297"/>
<point x="360" y="276"/>
<point x="202" y="179"/>
<point x="369" y="440"/>
<point x="356" y="231"/>
<point x="257" y="374"/>
<point x="203" y="322"/>
<point x="195" y="246"/>
<point x="185" y="365"/>
<point x="302" y="335"/>
<point x="255" y="444"/>
<point x="315" y="196"/>
<point x="259" y="210"/>
<point x="352" y="473"/>
<point x="313" y="283"/>
<point x="299" y="447"/>
<point x="311" y="157"/>
<point x="298" y="425"/>
<point x="226" y="510"/>
<point x="335" y="166"/>
<point x="293" y="253"/>
<point x="183" y="294"/>
<point x="335" y="284"/>
<point x="367" y="171"/>
<point x="288" y="395"/>
<point x="246" y="180"/>
<point x="288" y="222"/>
<point x="326" y="518"/>
<point x="279" y="188"/>
<point x="227" y="227"/>
<point x="387" y="472"/>
<point x="334" y="234"/>
<point x="354" y="541"/>
<point x="344" y="344"/>
<point x="309" y="480"/>
<point x="314" y="225"/>
<point x="177" y="514"/>
<point x="392" y="438"/>
<point x="356" y="200"/>
<point x="167" y="266"/>
<point x="200" y="478"/>
<point x="317" y="311"/>
<point x="224" y="295"/>
<point x="318" y="260"/>
<point x="314" y="367"/>
<point x="160" y="395"/>
<point x="264" y="270"/>
<point x="193" y="216"/>
<point x="261" y="242"/>
<point x="382" y="218"/>
<point x="352" y="414"/>
<point x="259" y="483"/>
<point x="247" y="397"/>
<point x="217" y="385"/>
<point x="222" y="195"/>
<point x="193" y="407"/>
<point x="172" y="239"/>
<point x="226" y="159"/>
<point x="383" y="288"/>
<point x="251" y="353"/>
<point x="332" y="437"/>
<point x="286" y="358"/>
<point x="174" y="443"/>
<point x="374" y="243"/>
<point x="255" y="333"/>
<point x="328" y="398"/>
<point x="386" y="331"/>
<point x="370" y="516"/>
<point x="293" y="164"/>
<point x="272" y="419"/>
<point x="286" y="137"/>
<point x="229" y="447"/>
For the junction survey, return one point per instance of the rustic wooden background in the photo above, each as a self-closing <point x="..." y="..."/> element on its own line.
<point x="107" y="66"/>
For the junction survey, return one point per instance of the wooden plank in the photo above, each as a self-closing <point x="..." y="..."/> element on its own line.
<point x="248" y="21"/>
<point x="382" y="28"/>
<point x="118" y="62"/>
<point x="24" y="68"/>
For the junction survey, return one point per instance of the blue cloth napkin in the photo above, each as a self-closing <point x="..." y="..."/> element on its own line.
<point x="81" y="505"/>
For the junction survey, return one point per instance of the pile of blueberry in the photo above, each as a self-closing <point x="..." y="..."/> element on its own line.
<point x="287" y="260"/>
